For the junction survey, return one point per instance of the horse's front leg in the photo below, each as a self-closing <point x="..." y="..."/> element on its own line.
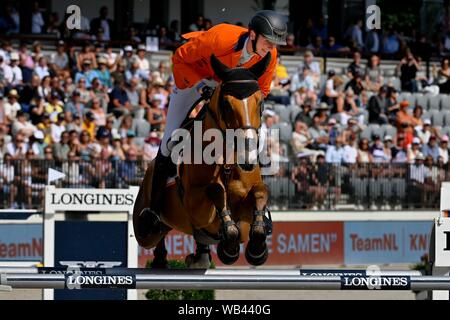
<point x="256" y="251"/>
<point x="228" y="247"/>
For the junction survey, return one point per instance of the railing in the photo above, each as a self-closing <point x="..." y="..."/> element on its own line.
<point x="297" y="186"/>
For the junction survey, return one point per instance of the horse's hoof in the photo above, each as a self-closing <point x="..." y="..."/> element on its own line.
<point x="228" y="256"/>
<point x="254" y="256"/>
<point x="198" y="261"/>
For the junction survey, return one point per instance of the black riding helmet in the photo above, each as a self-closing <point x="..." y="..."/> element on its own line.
<point x="271" y="25"/>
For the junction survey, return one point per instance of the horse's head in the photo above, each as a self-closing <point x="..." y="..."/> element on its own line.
<point x="237" y="104"/>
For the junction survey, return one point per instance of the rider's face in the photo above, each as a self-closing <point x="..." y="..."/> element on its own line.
<point x="263" y="46"/>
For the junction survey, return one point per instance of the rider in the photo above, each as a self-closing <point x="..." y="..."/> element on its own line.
<point x="234" y="46"/>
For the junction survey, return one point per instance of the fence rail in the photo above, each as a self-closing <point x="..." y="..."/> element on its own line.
<point x="303" y="185"/>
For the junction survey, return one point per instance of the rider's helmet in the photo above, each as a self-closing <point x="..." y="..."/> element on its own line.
<point x="271" y="25"/>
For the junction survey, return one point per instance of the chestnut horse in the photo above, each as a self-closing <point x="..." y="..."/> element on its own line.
<point x="223" y="202"/>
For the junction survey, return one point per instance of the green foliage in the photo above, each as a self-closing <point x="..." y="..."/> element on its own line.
<point x="162" y="294"/>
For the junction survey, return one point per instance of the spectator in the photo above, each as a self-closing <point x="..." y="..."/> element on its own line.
<point x="336" y="153"/>
<point x="85" y="94"/>
<point x="432" y="182"/>
<point x="356" y="83"/>
<point x="118" y="75"/>
<point x="290" y="48"/>
<point x="86" y="73"/>
<point x="98" y="112"/>
<point x="364" y="154"/>
<point x="72" y="170"/>
<point x="15" y="70"/>
<point x="305" y="115"/>
<point x="372" y="44"/>
<point x="21" y="124"/>
<point x="408" y="68"/>
<point x="85" y="146"/>
<point x="58" y="128"/>
<point x="318" y="134"/>
<point x="118" y="153"/>
<point x="42" y="69"/>
<point x="417" y="116"/>
<point x="392" y="105"/>
<point x="11" y="107"/>
<point x="355" y="66"/>
<point x="89" y="124"/>
<point x="17" y="148"/>
<point x="443" y="76"/>
<point x="128" y="169"/>
<point x="417" y="179"/>
<point x="329" y="90"/>
<point x="75" y="106"/>
<point x="7" y="178"/>
<point x="405" y="121"/>
<point x="100" y="92"/>
<point x="86" y="54"/>
<point x="301" y="140"/>
<point x="350" y="150"/>
<point x="199" y="24"/>
<point x="37" y="21"/>
<point x="373" y="75"/>
<point x="102" y="22"/>
<point x="144" y="65"/>
<point x="119" y="102"/>
<point x="45" y="88"/>
<point x="133" y="93"/>
<point x="377" y="107"/>
<point x="431" y="148"/>
<point x="39" y="145"/>
<point x="61" y="149"/>
<point x="443" y="149"/>
<point x="54" y="106"/>
<point x="135" y="72"/>
<point x="391" y="43"/>
<point x="355" y="34"/>
<point x="312" y="67"/>
<point x="302" y="79"/>
<point x="378" y="151"/>
<point x="414" y="151"/>
<point x="399" y="151"/>
<point x="103" y="73"/>
<point x="151" y="146"/>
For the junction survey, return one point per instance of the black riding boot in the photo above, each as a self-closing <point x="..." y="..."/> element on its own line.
<point x="150" y="217"/>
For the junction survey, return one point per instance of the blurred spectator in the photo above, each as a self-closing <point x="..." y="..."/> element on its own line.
<point x="379" y="151"/>
<point x="98" y="112"/>
<point x="350" y="150"/>
<point x="7" y="177"/>
<point x="431" y="149"/>
<point x="329" y="90"/>
<point x="392" y="105"/>
<point x="336" y="153"/>
<point x="320" y="182"/>
<point x="133" y="93"/>
<point x="135" y="72"/>
<point x="417" y="178"/>
<point x="391" y="43"/>
<point x="144" y="65"/>
<point x="355" y="66"/>
<point x="290" y="48"/>
<point x="199" y="24"/>
<point x="61" y="149"/>
<point x="156" y="116"/>
<point x="86" y="73"/>
<point x="37" y="21"/>
<point x="312" y="67"/>
<point x="301" y="140"/>
<point x="86" y="56"/>
<point x="318" y="134"/>
<point x="443" y="76"/>
<point x="118" y="153"/>
<point x="356" y="84"/>
<point x="414" y="150"/>
<point x="42" y="69"/>
<point x="373" y="75"/>
<point x="377" y="107"/>
<point x="408" y="68"/>
<point x="88" y="124"/>
<point x="364" y="154"/>
<point x="151" y="146"/>
<point x="372" y="43"/>
<point x="17" y="148"/>
<point x="102" y="22"/>
<point x="399" y="151"/>
<point x="54" y="106"/>
<point x="16" y="72"/>
<point x="128" y="169"/>
<point x="443" y="149"/>
<point x="75" y="106"/>
<point x="119" y="102"/>
<point x="303" y="79"/>
<point x="39" y="145"/>
<point x="103" y="74"/>
<point x="21" y="124"/>
<point x="58" y="128"/>
<point x="425" y="131"/>
<point x="305" y="115"/>
<point x="11" y="107"/>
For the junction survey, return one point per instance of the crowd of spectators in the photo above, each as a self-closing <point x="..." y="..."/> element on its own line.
<point x="93" y="111"/>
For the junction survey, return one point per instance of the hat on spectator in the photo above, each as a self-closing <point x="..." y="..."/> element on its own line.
<point x="61" y="43"/>
<point x="38" y="134"/>
<point x="432" y="137"/>
<point x="420" y="156"/>
<point x="76" y="93"/>
<point x="387" y="138"/>
<point x="404" y="103"/>
<point x="444" y="138"/>
<point x="352" y="120"/>
<point x="332" y="121"/>
<point x="331" y="73"/>
<point x="61" y="116"/>
<point x="14" y="56"/>
<point x="142" y="47"/>
<point x="104" y="134"/>
<point x="416" y="140"/>
<point x="376" y="137"/>
<point x="13" y="93"/>
<point x="308" y="53"/>
<point x="153" y="137"/>
<point x="87" y="62"/>
<point x="54" y="95"/>
<point x="268" y="113"/>
<point x="117" y="136"/>
<point x="427" y="122"/>
<point x="102" y="60"/>
<point x="323" y="106"/>
<point x="128" y="48"/>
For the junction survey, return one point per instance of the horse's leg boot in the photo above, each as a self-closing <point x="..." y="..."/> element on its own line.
<point x="151" y="217"/>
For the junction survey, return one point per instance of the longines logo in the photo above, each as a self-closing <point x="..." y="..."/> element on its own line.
<point x="375" y="283"/>
<point x="99" y="281"/>
<point x="124" y="199"/>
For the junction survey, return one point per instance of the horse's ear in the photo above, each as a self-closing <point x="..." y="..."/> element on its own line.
<point x="219" y="68"/>
<point x="259" y="68"/>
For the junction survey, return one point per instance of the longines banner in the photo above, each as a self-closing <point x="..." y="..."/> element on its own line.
<point x="109" y="200"/>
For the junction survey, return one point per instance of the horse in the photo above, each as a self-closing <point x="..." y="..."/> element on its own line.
<point x="223" y="203"/>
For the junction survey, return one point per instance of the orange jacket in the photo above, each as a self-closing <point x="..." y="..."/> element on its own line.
<point x="191" y="61"/>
